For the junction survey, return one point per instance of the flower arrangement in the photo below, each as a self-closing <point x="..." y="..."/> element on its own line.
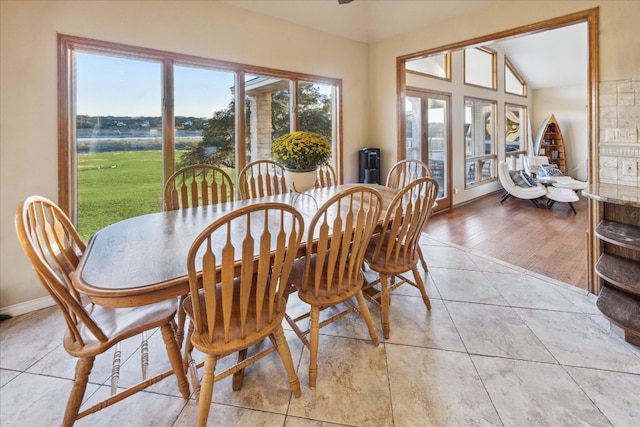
<point x="301" y="151"/>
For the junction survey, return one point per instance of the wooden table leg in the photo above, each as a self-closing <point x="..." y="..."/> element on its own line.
<point x="238" y="377"/>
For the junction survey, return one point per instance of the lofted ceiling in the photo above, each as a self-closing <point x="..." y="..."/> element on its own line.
<point x="552" y="58"/>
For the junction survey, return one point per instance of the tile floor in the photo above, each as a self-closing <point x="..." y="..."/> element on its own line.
<point x="500" y="347"/>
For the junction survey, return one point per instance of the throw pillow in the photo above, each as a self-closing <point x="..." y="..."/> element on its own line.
<point x="551" y="170"/>
<point x="518" y="179"/>
<point x="527" y="178"/>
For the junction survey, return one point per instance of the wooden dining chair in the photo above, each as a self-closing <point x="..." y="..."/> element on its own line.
<point x="326" y="176"/>
<point x="330" y="273"/>
<point x="392" y="252"/>
<point x="401" y="174"/>
<point x="261" y="178"/>
<point x="238" y="271"/>
<point x="197" y="185"/>
<point x="191" y="186"/>
<point x="405" y="172"/>
<point x="54" y="248"/>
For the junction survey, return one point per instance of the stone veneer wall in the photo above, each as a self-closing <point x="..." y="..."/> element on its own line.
<point x="619" y="108"/>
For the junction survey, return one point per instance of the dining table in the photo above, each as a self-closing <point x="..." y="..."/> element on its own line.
<point x="143" y="260"/>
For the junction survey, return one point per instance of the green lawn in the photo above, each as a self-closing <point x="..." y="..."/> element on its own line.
<point x="118" y="185"/>
<point x="115" y="186"/>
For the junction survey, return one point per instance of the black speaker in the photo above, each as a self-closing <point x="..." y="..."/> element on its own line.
<point x="369" y="166"/>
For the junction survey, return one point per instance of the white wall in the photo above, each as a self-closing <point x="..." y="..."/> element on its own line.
<point x="28" y="110"/>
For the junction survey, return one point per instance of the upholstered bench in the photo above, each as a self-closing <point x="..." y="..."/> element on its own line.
<point x="566" y="195"/>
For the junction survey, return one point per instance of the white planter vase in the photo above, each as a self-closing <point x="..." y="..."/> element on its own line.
<point x="300" y="182"/>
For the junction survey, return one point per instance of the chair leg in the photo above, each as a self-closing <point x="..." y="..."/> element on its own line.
<point x="314" y="337"/>
<point x="366" y="315"/>
<point x="144" y="355"/>
<point x="285" y="355"/>
<point x="173" y="352"/>
<point x="115" y="368"/>
<point x="505" y="196"/>
<point x="206" y="393"/>
<point x="83" y="369"/>
<point x="572" y="208"/>
<point x="535" y="202"/>
<point x="182" y="315"/>
<point x="385" y="302"/>
<point x="422" y="260"/>
<point x="420" y="285"/>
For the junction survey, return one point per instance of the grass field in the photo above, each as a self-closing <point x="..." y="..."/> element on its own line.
<point x="113" y="186"/>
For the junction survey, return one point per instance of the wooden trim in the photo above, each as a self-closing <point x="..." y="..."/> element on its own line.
<point x="589" y="16"/>
<point x="240" y="122"/>
<point x="64" y="132"/>
<point x="595" y="247"/>
<point x="168" y="121"/>
<point x="401" y="82"/>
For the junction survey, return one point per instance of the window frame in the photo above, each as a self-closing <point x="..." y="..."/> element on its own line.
<point x="494" y="67"/>
<point x="67" y="159"/>
<point x="476" y="160"/>
<point x="512" y="157"/>
<point x="447" y="67"/>
<point x="510" y="67"/>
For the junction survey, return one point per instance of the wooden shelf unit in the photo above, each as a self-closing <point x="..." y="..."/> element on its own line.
<point x="619" y="267"/>
<point x="549" y="142"/>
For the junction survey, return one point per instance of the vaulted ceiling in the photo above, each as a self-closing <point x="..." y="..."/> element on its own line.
<point x="549" y="59"/>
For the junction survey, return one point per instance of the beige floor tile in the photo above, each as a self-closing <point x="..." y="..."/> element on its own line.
<point x="615" y="393"/>
<point x="535" y="394"/>
<point x="493" y="330"/>
<point x="436" y="388"/>
<point x="352" y="386"/>
<point x="565" y="335"/>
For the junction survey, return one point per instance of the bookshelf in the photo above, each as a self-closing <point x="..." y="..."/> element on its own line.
<point x="549" y="142"/>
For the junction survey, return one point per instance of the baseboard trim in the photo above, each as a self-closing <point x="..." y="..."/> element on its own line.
<point x="27" y="306"/>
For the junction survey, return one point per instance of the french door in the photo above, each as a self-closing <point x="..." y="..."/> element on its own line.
<point x="427" y="124"/>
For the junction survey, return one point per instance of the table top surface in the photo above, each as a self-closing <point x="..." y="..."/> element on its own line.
<point x="142" y="260"/>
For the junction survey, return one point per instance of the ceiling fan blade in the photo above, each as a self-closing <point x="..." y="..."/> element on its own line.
<point x="344" y="1"/>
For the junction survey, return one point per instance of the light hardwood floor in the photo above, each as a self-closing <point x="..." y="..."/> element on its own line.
<point x="549" y="242"/>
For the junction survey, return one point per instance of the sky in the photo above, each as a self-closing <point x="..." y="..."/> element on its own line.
<point x="118" y="86"/>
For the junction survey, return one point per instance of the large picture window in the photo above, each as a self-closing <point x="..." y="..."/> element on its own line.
<point x="129" y="117"/>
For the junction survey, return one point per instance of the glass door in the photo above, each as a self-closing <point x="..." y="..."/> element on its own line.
<point x="427" y="136"/>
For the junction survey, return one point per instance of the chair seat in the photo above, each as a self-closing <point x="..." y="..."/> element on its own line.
<point x="405" y="260"/>
<point x="237" y="341"/>
<point x="119" y="324"/>
<point x="324" y="296"/>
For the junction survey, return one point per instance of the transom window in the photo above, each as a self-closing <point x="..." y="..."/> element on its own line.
<point x="131" y="116"/>
<point x="513" y="82"/>
<point x="438" y="66"/>
<point x="480" y="67"/>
